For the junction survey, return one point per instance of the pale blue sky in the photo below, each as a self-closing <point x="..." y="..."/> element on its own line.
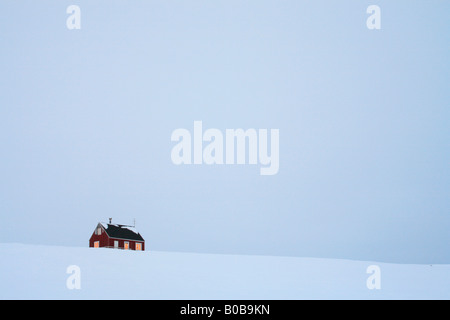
<point x="86" y="118"/>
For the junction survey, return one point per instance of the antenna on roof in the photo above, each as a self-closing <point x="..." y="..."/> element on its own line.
<point x="134" y="222"/>
<point x="110" y="219"/>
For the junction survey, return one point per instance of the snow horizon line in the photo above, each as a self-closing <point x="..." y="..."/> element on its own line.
<point x="255" y="255"/>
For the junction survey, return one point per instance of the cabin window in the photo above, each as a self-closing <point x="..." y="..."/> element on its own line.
<point x="126" y="245"/>
<point x="97" y="244"/>
<point x="138" y="246"/>
<point x="116" y="244"/>
<point x="99" y="231"/>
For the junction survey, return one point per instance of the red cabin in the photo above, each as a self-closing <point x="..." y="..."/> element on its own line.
<point x="117" y="236"/>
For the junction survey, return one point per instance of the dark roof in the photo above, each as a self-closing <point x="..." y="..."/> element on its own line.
<point x="122" y="231"/>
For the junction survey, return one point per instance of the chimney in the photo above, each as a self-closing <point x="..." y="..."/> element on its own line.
<point x="110" y="219"/>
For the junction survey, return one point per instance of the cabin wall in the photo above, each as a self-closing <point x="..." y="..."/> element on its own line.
<point x="132" y="243"/>
<point x="103" y="238"/>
